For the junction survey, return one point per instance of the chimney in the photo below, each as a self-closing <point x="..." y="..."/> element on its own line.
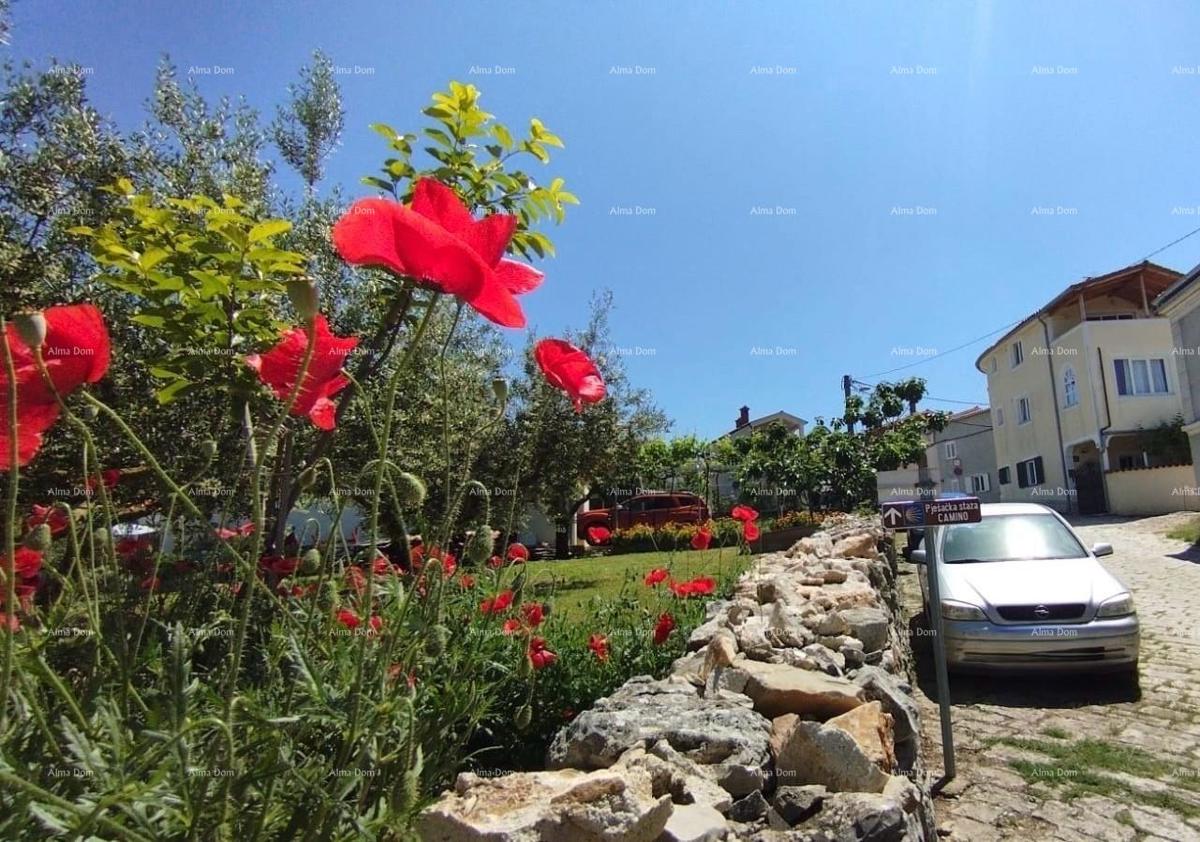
<point x="743" y="418"/>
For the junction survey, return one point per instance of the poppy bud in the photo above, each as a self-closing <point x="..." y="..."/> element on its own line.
<point x="500" y="389"/>
<point x="479" y="548"/>
<point x="90" y="412"/>
<point x="524" y="667"/>
<point x="433" y="568"/>
<point x="31" y="327"/>
<point x="524" y="716"/>
<point x="439" y="636"/>
<point x="310" y="562"/>
<point x="208" y="449"/>
<point x="39" y="538"/>
<point x="303" y="294"/>
<point x="101" y="539"/>
<point x="307" y="478"/>
<point x="410" y="490"/>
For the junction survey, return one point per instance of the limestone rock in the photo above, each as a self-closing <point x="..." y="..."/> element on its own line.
<point x="870" y="625"/>
<point x="856" y="817"/>
<point x="834" y="577"/>
<point x="894" y="695"/>
<point x="820" y="754"/>
<point x="852" y="651"/>
<point x="703" y="633"/>
<point x="750" y="808"/>
<point x="721" y="733"/>
<point x="561" y="805"/>
<point x="871" y="728"/>
<point x="862" y="545"/>
<point x="818" y="544"/>
<point x="672" y="773"/>
<point x="827" y="661"/>
<point x="797" y="803"/>
<point x="781" y="729"/>
<point x="834" y="624"/>
<point x="777" y="689"/>
<point x="695" y="823"/>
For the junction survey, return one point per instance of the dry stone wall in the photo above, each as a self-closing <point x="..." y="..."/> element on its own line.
<point x="790" y="719"/>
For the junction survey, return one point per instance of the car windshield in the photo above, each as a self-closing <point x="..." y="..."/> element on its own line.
<point x="1010" y="538"/>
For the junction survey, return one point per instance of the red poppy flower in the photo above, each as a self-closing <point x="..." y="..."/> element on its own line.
<point x="703" y="585"/>
<point x="656" y="576"/>
<point x="109" y="478"/>
<point x="466" y="580"/>
<point x="702" y="538"/>
<point x="279" y="367"/>
<point x="356" y="580"/>
<point x="27" y="563"/>
<point x="495" y="562"/>
<point x="436" y="240"/>
<point x="150" y="583"/>
<point x="224" y="533"/>
<point x="511" y="626"/>
<point x="598" y="643"/>
<point x="680" y="589"/>
<point x="750" y="531"/>
<point x="76" y="351"/>
<point x="534" y="614"/>
<point x="348" y="618"/>
<point x="744" y="514"/>
<point x="539" y="655"/>
<point x="497" y="604"/>
<point x="449" y="565"/>
<point x="598" y="535"/>
<point x="128" y="548"/>
<point x="517" y="552"/>
<point x="663" y="628"/>
<point x="11" y="621"/>
<point x="381" y="566"/>
<point x="570" y="369"/>
<point x="278" y="565"/>
<point x="376" y="623"/>
<point x="416" y="557"/>
<point x="53" y="516"/>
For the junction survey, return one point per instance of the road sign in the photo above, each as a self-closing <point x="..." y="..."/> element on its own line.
<point x="949" y="512"/>
<point x="907" y="514"/>
<point x="918" y="514"/>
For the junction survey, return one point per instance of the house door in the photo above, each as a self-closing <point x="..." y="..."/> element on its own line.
<point x="1089" y="489"/>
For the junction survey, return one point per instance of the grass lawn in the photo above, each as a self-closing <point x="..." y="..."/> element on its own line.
<point x="575" y="582"/>
<point x="1190" y="531"/>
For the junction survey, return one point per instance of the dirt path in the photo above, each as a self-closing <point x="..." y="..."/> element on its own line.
<point x="1083" y="758"/>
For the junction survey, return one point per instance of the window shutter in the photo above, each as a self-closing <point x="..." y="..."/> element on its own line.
<point x="1158" y="376"/>
<point x="1122" y="384"/>
<point x="1039" y="472"/>
<point x="1003" y="476"/>
<point x="1022" y="475"/>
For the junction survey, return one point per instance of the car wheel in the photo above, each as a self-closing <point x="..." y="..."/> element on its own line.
<point x="1130" y="677"/>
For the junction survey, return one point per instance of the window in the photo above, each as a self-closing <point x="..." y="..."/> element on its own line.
<point x="1018" y="354"/>
<point x="980" y="483"/>
<point x="1141" y="377"/>
<point x="950" y="449"/>
<point x="1009" y="538"/>
<point x="999" y="412"/>
<point x="1132" y="460"/>
<point x="1030" y="472"/>
<point x="1003" y="475"/>
<point x="1024" y="410"/>
<point x="1070" y="389"/>
<point x="991" y="365"/>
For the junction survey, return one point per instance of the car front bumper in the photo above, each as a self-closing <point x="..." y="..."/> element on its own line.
<point x="1108" y="644"/>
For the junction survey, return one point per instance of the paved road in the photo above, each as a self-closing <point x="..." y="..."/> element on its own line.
<point x="1023" y="772"/>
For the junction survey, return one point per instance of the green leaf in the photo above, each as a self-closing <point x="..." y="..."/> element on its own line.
<point x="152" y="258"/>
<point x="173" y="390"/>
<point x="270" y="228"/>
<point x="372" y="181"/>
<point x="385" y="130"/>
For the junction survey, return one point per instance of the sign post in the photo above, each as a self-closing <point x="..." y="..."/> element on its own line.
<point x="929" y="515"/>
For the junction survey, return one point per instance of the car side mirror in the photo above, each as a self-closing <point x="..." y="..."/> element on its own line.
<point x="1102" y="549"/>
<point x="917" y="556"/>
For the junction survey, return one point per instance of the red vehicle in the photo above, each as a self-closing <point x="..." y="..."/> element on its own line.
<point x="651" y="509"/>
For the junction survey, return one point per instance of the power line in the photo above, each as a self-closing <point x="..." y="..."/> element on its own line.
<point x="1173" y="242"/>
<point x="950" y="351"/>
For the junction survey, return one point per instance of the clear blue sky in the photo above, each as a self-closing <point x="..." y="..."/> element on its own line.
<point x="978" y="113"/>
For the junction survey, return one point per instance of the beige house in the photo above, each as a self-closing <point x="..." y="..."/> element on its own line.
<point x="1074" y="387"/>
<point x="961" y="458"/>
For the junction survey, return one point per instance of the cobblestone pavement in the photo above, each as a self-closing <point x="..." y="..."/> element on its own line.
<point x="1023" y="772"/>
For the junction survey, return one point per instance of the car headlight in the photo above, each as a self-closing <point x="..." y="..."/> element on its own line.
<point x="1118" y="606"/>
<point x="954" y="610"/>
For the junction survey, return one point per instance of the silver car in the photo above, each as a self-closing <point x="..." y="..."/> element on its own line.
<point x="1020" y="591"/>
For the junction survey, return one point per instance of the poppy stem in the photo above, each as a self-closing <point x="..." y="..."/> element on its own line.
<point x="10" y="523"/>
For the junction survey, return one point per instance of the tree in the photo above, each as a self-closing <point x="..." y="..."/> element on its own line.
<point x="567" y="456"/>
<point x="308" y="128"/>
<point x="773" y="466"/>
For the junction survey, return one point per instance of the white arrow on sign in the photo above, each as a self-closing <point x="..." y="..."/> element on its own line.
<point x="893" y="517"/>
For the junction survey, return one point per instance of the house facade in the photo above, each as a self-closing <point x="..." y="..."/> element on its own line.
<point x="1074" y="387"/>
<point x="1180" y="304"/>
<point x="725" y="488"/>
<point x="960" y="458"/>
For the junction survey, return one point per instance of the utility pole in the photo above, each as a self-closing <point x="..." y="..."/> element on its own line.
<point x="847" y="386"/>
